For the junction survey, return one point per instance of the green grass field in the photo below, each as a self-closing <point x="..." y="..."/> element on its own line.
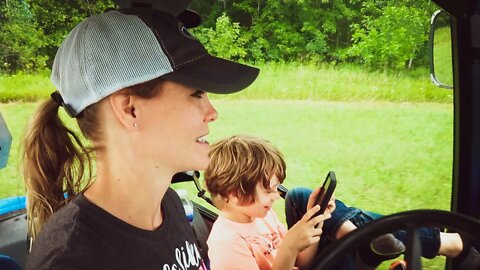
<point x="286" y="82"/>
<point x="378" y="150"/>
<point x="388" y="156"/>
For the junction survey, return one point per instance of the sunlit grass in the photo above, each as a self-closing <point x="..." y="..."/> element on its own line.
<point x="378" y="150"/>
<point x="443" y="56"/>
<point x="389" y="155"/>
<point x="26" y="87"/>
<point x="341" y="83"/>
<point x="286" y="82"/>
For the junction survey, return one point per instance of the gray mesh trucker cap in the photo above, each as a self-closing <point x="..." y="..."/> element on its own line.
<point x="124" y="47"/>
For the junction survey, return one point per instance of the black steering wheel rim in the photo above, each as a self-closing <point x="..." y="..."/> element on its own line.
<point x="410" y="219"/>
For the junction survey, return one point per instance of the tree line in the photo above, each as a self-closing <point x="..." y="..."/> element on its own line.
<point x="378" y="34"/>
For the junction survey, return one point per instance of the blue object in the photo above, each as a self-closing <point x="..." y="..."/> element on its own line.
<point x="187" y="204"/>
<point x="12" y="204"/>
<point x="7" y="263"/>
<point x="5" y="142"/>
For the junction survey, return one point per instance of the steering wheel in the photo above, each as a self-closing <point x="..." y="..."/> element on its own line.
<point x="409" y="221"/>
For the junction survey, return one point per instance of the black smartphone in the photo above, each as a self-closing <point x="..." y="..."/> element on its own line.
<point x="326" y="192"/>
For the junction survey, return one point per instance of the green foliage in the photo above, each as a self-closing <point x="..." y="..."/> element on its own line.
<point x="32" y="30"/>
<point x="19" y="38"/>
<point x="224" y="40"/>
<point x="290" y="31"/>
<point x="366" y="32"/>
<point x="56" y="20"/>
<point x="391" y="39"/>
<point x="382" y="34"/>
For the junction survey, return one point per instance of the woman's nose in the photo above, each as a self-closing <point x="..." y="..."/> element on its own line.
<point x="211" y="113"/>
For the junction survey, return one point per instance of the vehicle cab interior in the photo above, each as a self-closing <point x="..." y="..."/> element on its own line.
<point x="463" y="19"/>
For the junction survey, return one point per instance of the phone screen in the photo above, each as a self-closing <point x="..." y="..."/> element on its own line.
<point x="326" y="192"/>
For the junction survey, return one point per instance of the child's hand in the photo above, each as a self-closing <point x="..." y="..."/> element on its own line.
<point x="312" y="198"/>
<point x="311" y="201"/>
<point x="331" y="205"/>
<point x="306" y="231"/>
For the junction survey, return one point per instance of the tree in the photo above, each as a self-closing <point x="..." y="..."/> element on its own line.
<point x="224" y="40"/>
<point x="381" y="34"/>
<point x="56" y="20"/>
<point x="390" y="40"/>
<point x="31" y="31"/>
<point x="19" y="38"/>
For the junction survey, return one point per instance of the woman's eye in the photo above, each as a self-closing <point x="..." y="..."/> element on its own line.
<point x="198" y="94"/>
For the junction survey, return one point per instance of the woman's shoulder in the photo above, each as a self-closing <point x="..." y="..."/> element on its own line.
<point x="61" y="221"/>
<point x="59" y="236"/>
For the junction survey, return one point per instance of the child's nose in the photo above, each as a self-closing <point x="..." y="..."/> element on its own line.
<point x="276" y="195"/>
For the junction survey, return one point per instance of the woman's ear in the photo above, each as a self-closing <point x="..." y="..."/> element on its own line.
<point x="123" y="106"/>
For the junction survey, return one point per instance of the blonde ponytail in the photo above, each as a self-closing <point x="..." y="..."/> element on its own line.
<point x="54" y="163"/>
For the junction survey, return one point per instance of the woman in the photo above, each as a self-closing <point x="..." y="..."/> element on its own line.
<point x="134" y="80"/>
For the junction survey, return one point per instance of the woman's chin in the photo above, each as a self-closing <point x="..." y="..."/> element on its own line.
<point x="199" y="165"/>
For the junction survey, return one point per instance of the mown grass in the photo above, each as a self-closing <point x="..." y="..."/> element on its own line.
<point x="388" y="156"/>
<point x="442" y="56"/>
<point x="287" y="82"/>
<point x="378" y="150"/>
<point x="344" y="83"/>
<point x="25" y="87"/>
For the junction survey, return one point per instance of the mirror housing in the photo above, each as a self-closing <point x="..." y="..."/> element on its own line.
<point x="440" y="39"/>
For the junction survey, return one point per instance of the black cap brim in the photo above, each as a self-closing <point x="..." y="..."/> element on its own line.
<point x="214" y="75"/>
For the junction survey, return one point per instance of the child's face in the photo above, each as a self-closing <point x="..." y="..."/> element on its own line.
<point x="266" y="197"/>
<point x="264" y="200"/>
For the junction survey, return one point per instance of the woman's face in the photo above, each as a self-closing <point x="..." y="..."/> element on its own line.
<point x="173" y="127"/>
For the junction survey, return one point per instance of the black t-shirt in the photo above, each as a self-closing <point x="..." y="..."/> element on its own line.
<point x="82" y="235"/>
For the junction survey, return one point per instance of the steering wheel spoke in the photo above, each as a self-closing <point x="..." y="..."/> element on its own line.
<point x="413" y="249"/>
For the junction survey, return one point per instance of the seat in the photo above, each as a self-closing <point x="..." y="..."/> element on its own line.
<point x="13" y="233"/>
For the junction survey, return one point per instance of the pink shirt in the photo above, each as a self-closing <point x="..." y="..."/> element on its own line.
<point x="246" y="246"/>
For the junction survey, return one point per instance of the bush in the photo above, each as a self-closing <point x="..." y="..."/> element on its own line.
<point x="19" y="39"/>
<point x="225" y="40"/>
<point x="390" y="40"/>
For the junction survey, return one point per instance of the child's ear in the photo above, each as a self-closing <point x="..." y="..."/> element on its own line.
<point x="232" y="198"/>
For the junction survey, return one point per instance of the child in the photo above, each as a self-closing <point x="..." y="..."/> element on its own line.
<point x="242" y="177"/>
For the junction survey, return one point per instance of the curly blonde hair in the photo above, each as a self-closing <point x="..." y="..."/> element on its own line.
<point x="238" y="163"/>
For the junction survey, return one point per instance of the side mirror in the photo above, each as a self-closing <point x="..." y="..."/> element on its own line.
<point x="441" y="66"/>
<point x="5" y="142"/>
